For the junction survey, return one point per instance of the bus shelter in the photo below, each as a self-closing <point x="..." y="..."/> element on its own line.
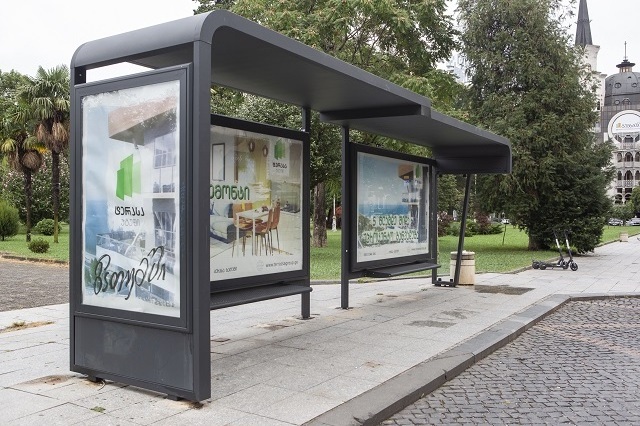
<point x="176" y="211"/>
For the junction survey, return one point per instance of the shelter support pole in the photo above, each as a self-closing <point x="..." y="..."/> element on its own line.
<point x="433" y="231"/>
<point x="306" y="297"/>
<point x="346" y="214"/>
<point x="463" y="228"/>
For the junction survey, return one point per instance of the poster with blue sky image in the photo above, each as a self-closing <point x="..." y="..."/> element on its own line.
<point x="392" y="200"/>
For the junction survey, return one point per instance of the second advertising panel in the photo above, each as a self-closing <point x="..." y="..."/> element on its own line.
<point x="255" y="199"/>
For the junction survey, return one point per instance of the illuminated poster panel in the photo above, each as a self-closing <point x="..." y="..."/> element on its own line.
<point x="255" y="204"/>
<point x="131" y="199"/>
<point x="392" y="208"/>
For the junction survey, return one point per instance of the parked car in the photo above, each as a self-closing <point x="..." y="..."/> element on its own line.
<point x="505" y="221"/>
<point x="634" y="221"/>
<point x="615" y="222"/>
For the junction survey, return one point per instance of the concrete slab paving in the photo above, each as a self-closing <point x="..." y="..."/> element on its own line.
<point x="400" y="338"/>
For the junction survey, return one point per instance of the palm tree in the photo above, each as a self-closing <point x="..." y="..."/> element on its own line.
<point x="47" y="95"/>
<point x="22" y="151"/>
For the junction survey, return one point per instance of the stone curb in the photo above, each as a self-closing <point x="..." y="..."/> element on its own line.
<point x="32" y="259"/>
<point x="383" y="401"/>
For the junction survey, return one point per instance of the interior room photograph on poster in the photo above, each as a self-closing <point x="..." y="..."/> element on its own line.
<point x="255" y="218"/>
<point x="131" y="204"/>
<point x="392" y="207"/>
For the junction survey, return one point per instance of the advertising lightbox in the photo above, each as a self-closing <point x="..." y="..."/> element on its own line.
<point x="391" y="208"/>
<point x="131" y="167"/>
<point x="256" y="201"/>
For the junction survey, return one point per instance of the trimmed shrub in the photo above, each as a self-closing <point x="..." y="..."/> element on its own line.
<point x="9" y="220"/>
<point x="45" y="227"/>
<point x="470" y="229"/>
<point x="39" y="245"/>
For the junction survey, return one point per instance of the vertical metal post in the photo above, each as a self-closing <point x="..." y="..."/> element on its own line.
<point x="197" y="240"/>
<point x="345" y="229"/>
<point x="306" y="297"/>
<point x="433" y="226"/>
<point x="463" y="227"/>
<point x="78" y="76"/>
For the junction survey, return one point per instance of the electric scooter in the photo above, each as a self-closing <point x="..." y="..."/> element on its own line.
<point x="561" y="263"/>
<point x="572" y="264"/>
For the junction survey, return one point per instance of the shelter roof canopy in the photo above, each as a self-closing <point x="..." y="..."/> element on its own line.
<point x="254" y="59"/>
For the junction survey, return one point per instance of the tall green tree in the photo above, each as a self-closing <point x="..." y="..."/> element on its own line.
<point x="400" y="40"/>
<point x="47" y="95"/>
<point x="12" y="190"/>
<point x="20" y="149"/>
<point x="635" y="200"/>
<point x="528" y="84"/>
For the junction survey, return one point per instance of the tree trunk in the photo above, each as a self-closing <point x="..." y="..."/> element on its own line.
<point x="55" y="190"/>
<point x="319" y="216"/>
<point x="534" y="244"/>
<point x="28" y="196"/>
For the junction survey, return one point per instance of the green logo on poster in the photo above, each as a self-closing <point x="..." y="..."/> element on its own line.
<point x="128" y="178"/>
<point x="278" y="152"/>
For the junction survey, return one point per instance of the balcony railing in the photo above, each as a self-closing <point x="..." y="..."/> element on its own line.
<point x="625" y="184"/>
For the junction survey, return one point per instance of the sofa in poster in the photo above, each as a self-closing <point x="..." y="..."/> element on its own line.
<point x="255" y="222"/>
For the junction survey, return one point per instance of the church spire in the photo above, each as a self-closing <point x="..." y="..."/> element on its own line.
<point x="583" y="30"/>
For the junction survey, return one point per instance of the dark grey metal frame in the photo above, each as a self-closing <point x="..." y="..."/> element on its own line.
<point x="169" y="74"/>
<point x="152" y="341"/>
<point x="386" y="268"/>
<point x="227" y="50"/>
<point x="427" y="261"/>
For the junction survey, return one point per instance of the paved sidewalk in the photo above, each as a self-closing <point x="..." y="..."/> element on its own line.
<point x="342" y="367"/>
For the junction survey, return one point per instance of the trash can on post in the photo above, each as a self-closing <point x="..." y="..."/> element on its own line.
<point x="467" y="267"/>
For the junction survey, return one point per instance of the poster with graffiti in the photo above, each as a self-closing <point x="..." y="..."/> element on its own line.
<point x="130" y="173"/>
<point x="392" y="206"/>
<point x="255" y="198"/>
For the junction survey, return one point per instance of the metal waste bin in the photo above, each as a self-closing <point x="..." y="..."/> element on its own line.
<point x="467" y="267"/>
<point x="624" y="237"/>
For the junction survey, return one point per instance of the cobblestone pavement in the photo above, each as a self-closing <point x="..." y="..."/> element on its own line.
<point x="579" y="365"/>
<point x="30" y="284"/>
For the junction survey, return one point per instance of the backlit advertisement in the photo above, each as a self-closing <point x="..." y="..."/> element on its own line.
<point x="255" y="204"/>
<point x="392" y="206"/>
<point x="130" y="222"/>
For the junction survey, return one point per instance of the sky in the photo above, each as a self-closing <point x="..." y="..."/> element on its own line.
<point x="612" y="23"/>
<point x="47" y="32"/>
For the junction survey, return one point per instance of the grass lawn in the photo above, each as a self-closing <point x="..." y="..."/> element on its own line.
<point x="17" y="245"/>
<point x="491" y="254"/>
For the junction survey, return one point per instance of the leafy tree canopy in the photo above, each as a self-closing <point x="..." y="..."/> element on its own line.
<point x="400" y="40"/>
<point x="635" y="199"/>
<point x="527" y="84"/>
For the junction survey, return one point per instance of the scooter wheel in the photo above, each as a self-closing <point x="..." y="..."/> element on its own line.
<point x="535" y="265"/>
<point x="543" y="266"/>
<point x="565" y="265"/>
<point x="574" y="266"/>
